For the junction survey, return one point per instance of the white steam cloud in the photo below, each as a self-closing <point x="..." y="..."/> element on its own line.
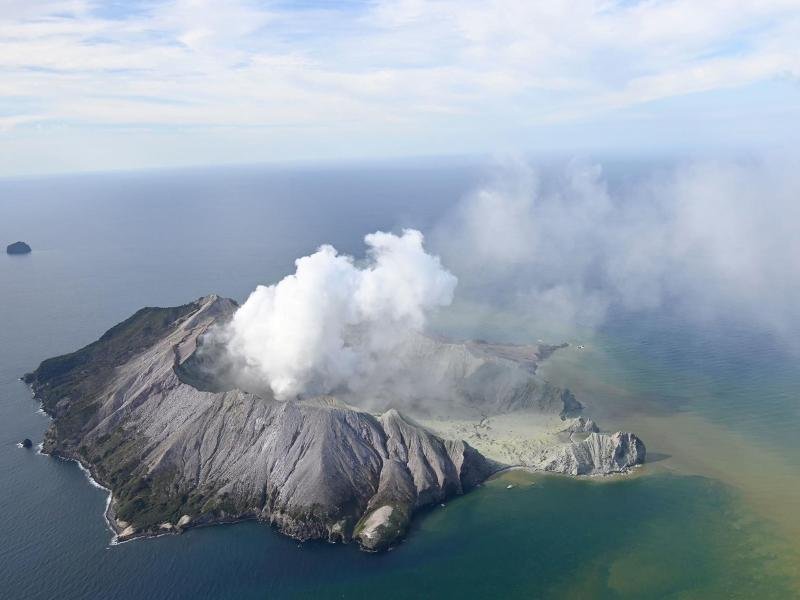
<point x="332" y="321"/>
<point x="561" y="248"/>
<point x="536" y="254"/>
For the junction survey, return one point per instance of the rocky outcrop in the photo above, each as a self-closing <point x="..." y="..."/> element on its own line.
<point x="27" y="443"/>
<point x="582" y="425"/>
<point x="598" y="454"/>
<point x="419" y="469"/>
<point x="18" y="248"/>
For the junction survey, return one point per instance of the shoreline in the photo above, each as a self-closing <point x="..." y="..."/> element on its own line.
<point x="86" y="470"/>
<point x="109" y="520"/>
<point x="634" y="471"/>
<point x="107" y="512"/>
<point x="519" y="435"/>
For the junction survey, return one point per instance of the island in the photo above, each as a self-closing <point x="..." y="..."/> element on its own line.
<point x="18" y="248"/>
<point x="146" y="412"/>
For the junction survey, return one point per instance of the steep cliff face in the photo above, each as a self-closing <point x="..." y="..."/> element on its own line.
<point x="177" y="450"/>
<point x="598" y="454"/>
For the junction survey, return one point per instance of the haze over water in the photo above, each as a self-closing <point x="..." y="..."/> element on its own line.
<point x="712" y="516"/>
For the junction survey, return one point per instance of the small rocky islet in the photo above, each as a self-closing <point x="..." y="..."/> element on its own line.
<point x="18" y="248"/>
<point x="137" y="409"/>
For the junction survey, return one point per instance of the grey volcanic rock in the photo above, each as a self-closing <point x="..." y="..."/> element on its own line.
<point x="582" y="425"/>
<point x="179" y="445"/>
<point x="173" y="454"/>
<point x="598" y="454"/>
<point x="420" y="469"/>
<point x="18" y="248"/>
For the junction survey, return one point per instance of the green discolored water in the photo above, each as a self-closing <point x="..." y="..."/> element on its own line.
<point x="658" y="536"/>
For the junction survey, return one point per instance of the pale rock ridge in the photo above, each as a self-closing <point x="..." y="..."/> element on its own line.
<point x="582" y="425"/>
<point x="598" y="454"/>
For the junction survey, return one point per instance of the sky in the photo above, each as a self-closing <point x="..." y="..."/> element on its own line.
<point x="93" y="86"/>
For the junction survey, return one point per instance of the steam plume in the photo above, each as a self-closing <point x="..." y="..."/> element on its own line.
<point x="550" y="254"/>
<point x="331" y="321"/>
<point x="560" y="249"/>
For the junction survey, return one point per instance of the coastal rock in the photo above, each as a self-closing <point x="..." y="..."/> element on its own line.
<point x="421" y="469"/>
<point x="598" y="454"/>
<point x="184" y="521"/>
<point x="378" y="527"/>
<point x="27" y="443"/>
<point x="18" y="248"/>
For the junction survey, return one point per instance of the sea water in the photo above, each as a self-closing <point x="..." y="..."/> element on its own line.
<point x="713" y="515"/>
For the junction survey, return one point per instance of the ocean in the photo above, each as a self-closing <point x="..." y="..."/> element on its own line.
<point x="714" y="514"/>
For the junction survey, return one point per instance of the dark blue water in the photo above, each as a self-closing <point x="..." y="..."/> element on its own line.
<point x="106" y="245"/>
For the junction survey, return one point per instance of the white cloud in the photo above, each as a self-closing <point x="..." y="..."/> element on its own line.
<point x="464" y="68"/>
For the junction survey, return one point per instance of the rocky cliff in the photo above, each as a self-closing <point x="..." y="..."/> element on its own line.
<point x="176" y="452"/>
<point x="598" y="454"/>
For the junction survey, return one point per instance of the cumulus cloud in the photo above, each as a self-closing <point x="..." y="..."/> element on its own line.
<point x="326" y="326"/>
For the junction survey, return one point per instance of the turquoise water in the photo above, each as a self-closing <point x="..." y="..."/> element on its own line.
<point x="682" y="528"/>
